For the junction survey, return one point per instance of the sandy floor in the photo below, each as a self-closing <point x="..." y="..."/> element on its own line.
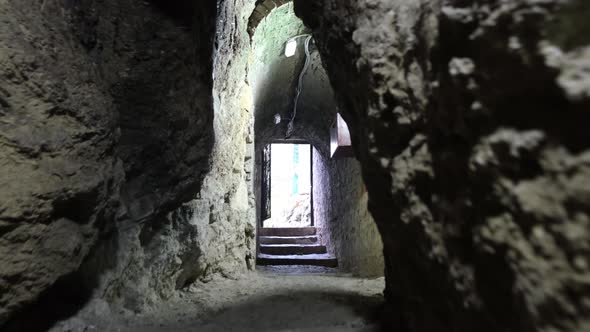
<point x="271" y="299"/>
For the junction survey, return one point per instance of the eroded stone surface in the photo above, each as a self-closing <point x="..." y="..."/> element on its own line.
<point x="107" y="117"/>
<point x="468" y="123"/>
<point x="469" y="119"/>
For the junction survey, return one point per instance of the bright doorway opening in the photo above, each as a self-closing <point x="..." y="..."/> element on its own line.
<point x="290" y="202"/>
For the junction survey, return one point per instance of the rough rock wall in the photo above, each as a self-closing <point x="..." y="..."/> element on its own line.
<point x="61" y="174"/>
<point x="53" y="186"/>
<point x="165" y="109"/>
<point x="227" y="196"/>
<point x="340" y="209"/>
<point x="213" y="232"/>
<point x="469" y="121"/>
<point x="107" y="125"/>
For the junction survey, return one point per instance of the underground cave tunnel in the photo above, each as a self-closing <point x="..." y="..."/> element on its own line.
<point x="320" y="208"/>
<point x="441" y="180"/>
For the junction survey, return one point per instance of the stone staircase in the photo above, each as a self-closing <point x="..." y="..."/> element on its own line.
<point x="293" y="246"/>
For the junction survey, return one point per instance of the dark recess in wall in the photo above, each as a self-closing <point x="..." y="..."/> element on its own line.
<point x="69" y="294"/>
<point x="62" y="300"/>
<point x="181" y="10"/>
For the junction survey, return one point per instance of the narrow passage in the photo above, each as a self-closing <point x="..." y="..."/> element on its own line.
<point x="274" y="298"/>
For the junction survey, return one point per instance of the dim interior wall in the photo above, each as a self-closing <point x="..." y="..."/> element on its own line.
<point x="125" y="170"/>
<point x="470" y="121"/>
<point x="342" y="217"/>
<point x="107" y="122"/>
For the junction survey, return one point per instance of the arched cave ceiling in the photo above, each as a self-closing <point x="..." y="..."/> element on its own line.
<point x="262" y="9"/>
<point x="273" y="78"/>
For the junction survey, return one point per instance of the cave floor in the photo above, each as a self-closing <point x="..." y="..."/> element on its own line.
<point x="270" y="299"/>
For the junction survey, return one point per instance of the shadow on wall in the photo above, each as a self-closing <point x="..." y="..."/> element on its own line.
<point x="68" y="294"/>
<point x="181" y="10"/>
<point x="476" y="180"/>
<point x="124" y="79"/>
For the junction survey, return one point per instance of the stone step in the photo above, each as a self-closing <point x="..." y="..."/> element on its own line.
<point x="315" y="259"/>
<point x="292" y="249"/>
<point x="288" y="239"/>
<point x="299" y="231"/>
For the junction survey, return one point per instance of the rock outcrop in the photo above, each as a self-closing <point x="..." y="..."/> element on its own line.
<point x="110" y="126"/>
<point x="469" y="121"/>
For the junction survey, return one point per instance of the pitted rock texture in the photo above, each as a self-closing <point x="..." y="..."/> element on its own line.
<point x="106" y="121"/>
<point x="59" y="178"/>
<point x="214" y="231"/>
<point x="468" y="119"/>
